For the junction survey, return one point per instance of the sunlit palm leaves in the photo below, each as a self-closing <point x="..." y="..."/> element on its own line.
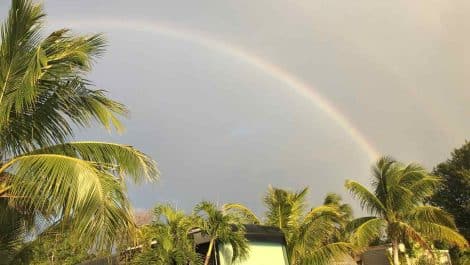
<point x="311" y="234"/>
<point x="223" y="227"/>
<point x="345" y="214"/>
<point x="44" y="95"/>
<point x="167" y="239"/>
<point x="396" y="203"/>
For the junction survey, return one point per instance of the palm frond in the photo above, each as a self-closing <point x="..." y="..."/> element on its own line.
<point x="432" y="214"/>
<point x="310" y="235"/>
<point x="20" y="34"/>
<point x="284" y="208"/>
<point x="355" y="223"/>
<point x="367" y="199"/>
<point x="332" y="198"/>
<point x="322" y="211"/>
<point x="42" y="86"/>
<point x="55" y="111"/>
<point x="326" y="254"/>
<point x="50" y="64"/>
<point x="434" y="231"/>
<point x="410" y="174"/>
<point x="245" y="213"/>
<point x="425" y="187"/>
<point x="72" y="189"/>
<point x="123" y="159"/>
<point x="13" y="230"/>
<point x="367" y="231"/>
<point x="43" y="95"/>
<point x="224" y="227"/>
<point x="410" y="233"/>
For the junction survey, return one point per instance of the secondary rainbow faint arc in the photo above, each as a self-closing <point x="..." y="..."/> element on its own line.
<point x="275" y="71"/>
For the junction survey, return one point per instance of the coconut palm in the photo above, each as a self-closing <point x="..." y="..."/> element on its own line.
<point x="167" y="240"/>
<point x="345" y="214"/>
<point x="396" y="205"/>
<point x="221" y="227"/>
<point x="334" y="200"/>
<point x="308" y="233"/>
<point x="44" y="95"/>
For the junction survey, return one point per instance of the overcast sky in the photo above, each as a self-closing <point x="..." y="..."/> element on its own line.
<point x="222" y="129"/>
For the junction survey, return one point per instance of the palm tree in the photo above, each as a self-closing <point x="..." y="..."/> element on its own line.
<point x="43" y="96"/>
<point x="308" y="233"/>
<point x="345" y="214"/>
<point x="167" y="239"/>
<point x="222" y="227"/>
<point x="334" y="200"/>
<point x="397" y="208"/>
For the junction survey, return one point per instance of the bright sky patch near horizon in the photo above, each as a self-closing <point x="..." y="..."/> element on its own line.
<point x="223" y="129"/>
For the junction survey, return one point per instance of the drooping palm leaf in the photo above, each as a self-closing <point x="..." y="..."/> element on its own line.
<point x="367" y="199"/>
<point x="58" y="185"/>
<point x="370" y="229"/>
<point x="121" y="159"/>
<point x="243" y="212"/>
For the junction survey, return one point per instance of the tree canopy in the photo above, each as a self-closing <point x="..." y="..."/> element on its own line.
<point x="398" y="211"/>
<point x="46" y="181"/>
<point x="454" y="194"/>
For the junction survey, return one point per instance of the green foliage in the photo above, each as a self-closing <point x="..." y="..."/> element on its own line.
<point x="345" y="214"/>
<point x="425" y="260"/>
<point x="454" y="194"/>
<point x="313" y="236"/>
<point x="58" y="247"/>
<point x="396" y="203"/>
<point x="44" y="180"/>
<point x="223" y="227"/>
<point x="167" y="239"/>
<point x="13" y="230"/>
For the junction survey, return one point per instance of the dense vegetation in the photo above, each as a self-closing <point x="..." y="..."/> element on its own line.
<point x="454" y="195"/>
<point x="313" y="234"/>
<point x="328" y="232"/>
<point x="63" y="202"/>
<point x="48" y="185"/>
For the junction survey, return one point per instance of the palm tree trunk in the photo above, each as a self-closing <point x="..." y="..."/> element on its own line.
<point x="396" y="260"/>
<point x="209" y="252"/>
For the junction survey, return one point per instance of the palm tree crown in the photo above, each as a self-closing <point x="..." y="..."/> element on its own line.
<point x="167" y="239"/>
<point x="44" y="95"/>
<point x="223" y="228"/>
<point x="396" y="203"/>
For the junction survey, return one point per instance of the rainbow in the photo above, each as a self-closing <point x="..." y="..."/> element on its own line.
<point x="274" y="71"/>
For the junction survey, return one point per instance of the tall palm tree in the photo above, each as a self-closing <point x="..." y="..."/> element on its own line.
<point x="167" y="239"/>
<point x="396" y="203"/>
<point x="308" y="233"/>
<point x="221" y="227"/>
<point x="44" y="95"/>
